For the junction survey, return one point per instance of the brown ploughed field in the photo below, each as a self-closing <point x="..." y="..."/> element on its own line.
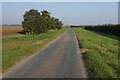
<point x="11" y="30"/>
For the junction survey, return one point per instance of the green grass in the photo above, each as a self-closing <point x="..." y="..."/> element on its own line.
<point x="102" y="62"/>
<point x="15" y="48"/>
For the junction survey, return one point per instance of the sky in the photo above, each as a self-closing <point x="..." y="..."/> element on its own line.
<point x="70" y="13"/>
<point x="60" y="0"/>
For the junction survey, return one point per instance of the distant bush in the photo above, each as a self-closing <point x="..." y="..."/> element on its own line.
<point x="77" y="26"/>
<point x="109" y="29"/>
<point x="35" y="22"/>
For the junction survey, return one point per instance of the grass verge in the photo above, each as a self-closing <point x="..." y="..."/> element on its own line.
<point x="102" y="61"/>
<point x="15" y="48"/>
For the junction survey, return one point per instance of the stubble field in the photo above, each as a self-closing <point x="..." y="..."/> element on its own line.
<point x="10" y="30"/>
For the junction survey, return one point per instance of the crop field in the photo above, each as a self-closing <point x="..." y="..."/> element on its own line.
<point x="10" y="30"/>
<point x="15" y="48"/>
<point x="102" y="56"/>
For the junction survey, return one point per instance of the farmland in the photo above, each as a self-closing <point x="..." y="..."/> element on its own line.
<point x="101" y="57"/>
<point x="15" y="48"/>
<point x="10" y="30"/>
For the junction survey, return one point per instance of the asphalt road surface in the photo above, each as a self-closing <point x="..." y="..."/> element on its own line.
<point x="60" y="59"/>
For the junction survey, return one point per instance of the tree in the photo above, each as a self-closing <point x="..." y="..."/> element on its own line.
<point x="36" y="23"/>
<point x="58" y="24"/>
<point x="45" y="13"/>
<point x="28" y="24"/>
<point x="47" y="16"/>
<point x="41" y="25"/>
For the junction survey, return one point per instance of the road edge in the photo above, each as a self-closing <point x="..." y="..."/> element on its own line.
<point x="85" y="72"/>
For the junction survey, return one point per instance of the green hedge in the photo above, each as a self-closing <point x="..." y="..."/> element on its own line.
<point x="77" y="26"/>
<point x="109" y="29"/>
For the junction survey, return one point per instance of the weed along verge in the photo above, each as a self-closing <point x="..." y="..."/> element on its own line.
<point x="16" y="48"/>
<point x="100" y="53"/>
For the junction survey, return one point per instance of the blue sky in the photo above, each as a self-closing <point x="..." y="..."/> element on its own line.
<point x="71" y="13"/>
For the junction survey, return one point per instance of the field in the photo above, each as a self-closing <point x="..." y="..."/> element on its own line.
<point x="101" y="56"/>
<point x="15" y="48"/>
<point x="100" y="50"/>
<point x="10" y="30"/>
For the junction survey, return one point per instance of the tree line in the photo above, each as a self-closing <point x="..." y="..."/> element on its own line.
<point x="10" y="25"/>
<point x="35" y="22"/>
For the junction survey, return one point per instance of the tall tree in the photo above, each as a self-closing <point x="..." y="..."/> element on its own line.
<point x="36" y="23"/>
<point x="46" y="14"/>
<point x="41" y="25"/>
<point x="29" y="21"/>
